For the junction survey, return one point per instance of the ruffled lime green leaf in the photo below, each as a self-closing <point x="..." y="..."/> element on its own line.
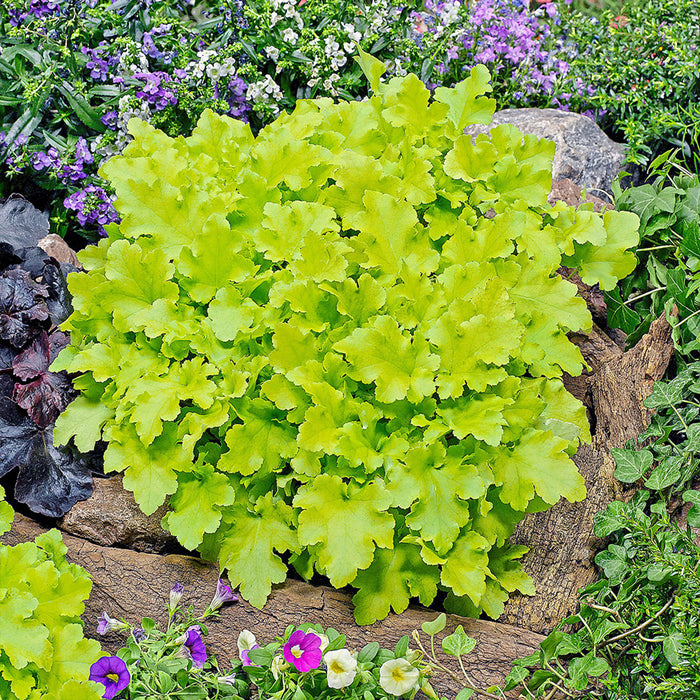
<point x="394" y="577"/>
<point x="465" y="100"/>
<point x="347" y="521"/>
<point x="247" y="543"/>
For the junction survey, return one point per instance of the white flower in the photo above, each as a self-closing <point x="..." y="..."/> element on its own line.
<point x="341" y="668"/>
<point x="349" y="47"/>
<point x="278" y="664"/>
<point x="274" y="18"/>
<point x="216" y="71"/>
<point x="397" y="676"/>
<point x="324" y="641"/>
<point x="289" y="35"/>
<point x="246" y="641"/>
<point x="272" y="52"/>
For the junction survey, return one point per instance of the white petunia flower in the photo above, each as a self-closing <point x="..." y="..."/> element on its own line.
<point x="278" y="664"/>
<point x="246" y="641"/>
<point x="341" y="668"/>
<point x="397" y="677"/>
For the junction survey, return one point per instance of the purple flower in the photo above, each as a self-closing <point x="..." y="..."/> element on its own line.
<point x="303" y="651"/>
<point x="223" y="595"/>
<point x="193" y="647"/>
<point x="175" y="594"/>
<point x="112" y="672"/>
<point x="107" y="624"/>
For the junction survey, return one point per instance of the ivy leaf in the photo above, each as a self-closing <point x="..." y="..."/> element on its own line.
<point x="631" y="465"/>
<point x="346" y="521"/>
<point x="693" y="516"/>
<point x="458" y="643"/>
<point x="666" y="472"/>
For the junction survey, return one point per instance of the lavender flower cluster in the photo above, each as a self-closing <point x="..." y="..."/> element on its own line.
<point x="160" y="68"/>
<point x="526" y="57"/>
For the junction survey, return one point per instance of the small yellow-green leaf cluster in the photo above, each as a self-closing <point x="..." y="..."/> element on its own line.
<point x="343" y="340"/>
<point x="43" y="653"/>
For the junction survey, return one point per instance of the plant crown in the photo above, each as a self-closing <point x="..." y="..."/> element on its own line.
<point x="43" y="653"/>
<point x="343" y="339"/>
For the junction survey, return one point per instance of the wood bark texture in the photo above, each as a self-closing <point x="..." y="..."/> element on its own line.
<point x="561" y="541"/>
<point x="132" y="585"/>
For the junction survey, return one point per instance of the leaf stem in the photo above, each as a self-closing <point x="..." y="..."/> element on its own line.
<point x="642" y="626"/>
<point x="641" y="296"/>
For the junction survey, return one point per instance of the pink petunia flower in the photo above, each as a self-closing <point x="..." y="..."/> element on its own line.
<point x="303" y="651"/>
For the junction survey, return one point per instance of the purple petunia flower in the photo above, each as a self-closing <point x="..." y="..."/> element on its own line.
<point x="303" y="651"/>
<point x="112" y="672"/>
<point x="223" y="594"/>
<point x="193" y="647"/>
<point x="107" y="624"/>
<point x="175" y="594"/>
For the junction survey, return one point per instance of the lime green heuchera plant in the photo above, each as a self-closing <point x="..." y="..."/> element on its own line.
<point x="43" y="651"/>
<point x="340" y="342"/>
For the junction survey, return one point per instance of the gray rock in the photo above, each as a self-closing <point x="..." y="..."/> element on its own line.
<point x="583" y="153"/>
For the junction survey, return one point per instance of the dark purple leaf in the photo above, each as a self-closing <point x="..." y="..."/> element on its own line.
<point x="7" y="357"/>
<point x="45" y="397"/>
<point x="7" y="385"/>
<point x="22" y="224"/>
<point x="57" y="341"/>
<point x="50" y="480"/>
<point x="59" y="301"/>
<point x="33" y="361"/>
<point x="8" y="256"/>
<point x="22" y="305"/>
<point x="48" y="393"/>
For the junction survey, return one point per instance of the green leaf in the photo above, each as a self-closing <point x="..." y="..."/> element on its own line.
<point x="613" y="561"/>
<point x="400" y="367"/>
<point x="197" y="505"/>
<point x="631" y="465"/>
<point x="466" y="107"/>
<point x="346" y="521"/>
<point x="245" y="547"/>
<point x="436" y="626"/>
<point x="673" y="649"/>
<point x="610" y="520"/>
<point x="538" y="464"/>
<point x="693" y="515"/>
<point x="466" y="566"/>
<point x="394" y="576"/>
<point x="372" y="67"/>
<point x="458" y="643"/>
<point x="24" y="639"/>
<point x="666" y="473"/>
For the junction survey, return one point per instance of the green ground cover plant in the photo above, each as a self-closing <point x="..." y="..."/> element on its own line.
<point x="43" y="653"/>
<point x="274" y="339"/>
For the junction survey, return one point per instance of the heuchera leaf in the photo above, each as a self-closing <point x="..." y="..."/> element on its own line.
<point x="22" y="301"/>
<point x="324" y="321"/>
<point x="50" y="480"/>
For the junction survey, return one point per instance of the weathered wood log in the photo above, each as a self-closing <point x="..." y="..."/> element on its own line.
<point x="561" y="540"/>
<point x="132" y="585"/>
